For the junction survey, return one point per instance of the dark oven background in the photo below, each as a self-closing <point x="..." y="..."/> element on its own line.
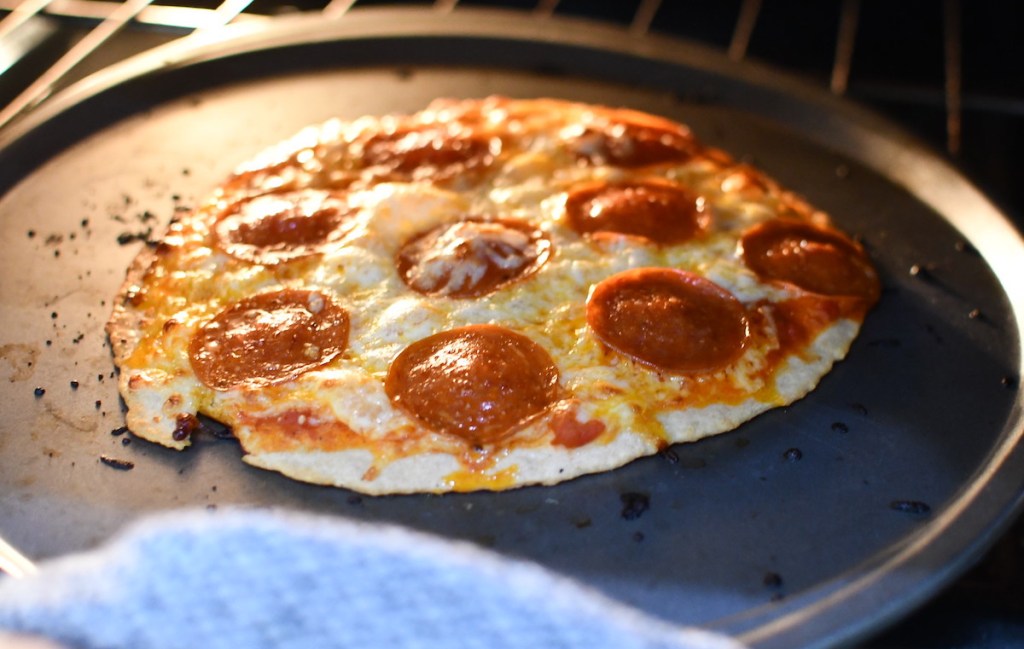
<point x="943" y="69"/>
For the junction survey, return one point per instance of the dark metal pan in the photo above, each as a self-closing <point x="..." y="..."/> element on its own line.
<point x="911" y="462"/>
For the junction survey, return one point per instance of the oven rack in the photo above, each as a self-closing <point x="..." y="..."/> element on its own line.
<point x="30" y="24"/>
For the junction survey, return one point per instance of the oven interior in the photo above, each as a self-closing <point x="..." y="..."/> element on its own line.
<point x="942" y="69"/>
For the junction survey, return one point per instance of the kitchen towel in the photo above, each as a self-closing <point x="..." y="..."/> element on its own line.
<point x="255" y="579"/>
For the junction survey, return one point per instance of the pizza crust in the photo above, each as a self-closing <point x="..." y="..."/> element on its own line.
<point x="125" y="326"/>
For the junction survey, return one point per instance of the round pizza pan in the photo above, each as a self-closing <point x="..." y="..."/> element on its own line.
<point x="910" y="462"/>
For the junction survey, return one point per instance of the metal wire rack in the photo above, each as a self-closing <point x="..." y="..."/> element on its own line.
<point x="942" y="67"/>
<point x="30" y="22"/>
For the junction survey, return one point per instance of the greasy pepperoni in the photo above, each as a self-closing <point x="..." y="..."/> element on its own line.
<point x="268" y="338"/>
<point x="815" y="259"/>
<point x="471" y="258"/>
<point x="275" y="228"/>
<point x="478" y="382"/>
<point x="429" y="152"/>
<point x="629" y="139"/>
<point x="670" y="319"/>
<point x="660" y="211"/>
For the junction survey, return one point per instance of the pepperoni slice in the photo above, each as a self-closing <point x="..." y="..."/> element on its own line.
<point x="660" y="211"/>
<point x="277" y="228"/>
<point x="471" y="258"/>
<point x="670" y="319"/>
<point x="632" y="139"/>
<point x="269" y="338"/>
<point x="815" y="259"/>
<point x="478" y="382"/>
<point x="429" y="152"/>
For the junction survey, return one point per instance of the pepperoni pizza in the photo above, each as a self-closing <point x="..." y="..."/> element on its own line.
<point x="483" y="295"/>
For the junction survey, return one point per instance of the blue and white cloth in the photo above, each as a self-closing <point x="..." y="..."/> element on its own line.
<point x="259" y="579"/>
